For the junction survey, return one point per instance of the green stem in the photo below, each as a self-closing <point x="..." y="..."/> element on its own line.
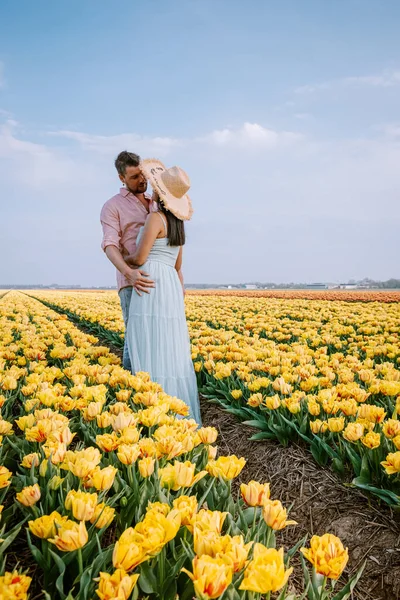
<point x="322" y="595"/>
<point x="80" y="562"/>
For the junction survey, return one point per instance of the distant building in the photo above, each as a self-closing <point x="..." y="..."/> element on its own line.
<point x="316" y="286"/>
<point x="348" y="286"/>
<point x="250" y="286"/>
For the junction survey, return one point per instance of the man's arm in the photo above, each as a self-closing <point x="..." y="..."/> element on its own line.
<point x="136" y="277"/>
<point x="111" y="245"/>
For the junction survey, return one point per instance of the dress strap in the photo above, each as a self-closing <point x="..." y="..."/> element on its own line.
<point x="164" y="223"/>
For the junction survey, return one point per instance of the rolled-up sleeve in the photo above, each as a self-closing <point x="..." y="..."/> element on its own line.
<point x="111" y="227"/>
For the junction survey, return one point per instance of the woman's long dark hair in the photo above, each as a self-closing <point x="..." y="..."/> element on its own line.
<point x="176" y="227"/>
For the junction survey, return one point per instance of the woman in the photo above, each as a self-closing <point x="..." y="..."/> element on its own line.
<point x="157" y="334"/>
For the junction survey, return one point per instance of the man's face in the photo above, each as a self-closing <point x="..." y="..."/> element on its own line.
<point x="134" y="180"/>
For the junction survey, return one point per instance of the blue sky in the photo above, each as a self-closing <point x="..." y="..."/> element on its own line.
<point x="285" y="115"/>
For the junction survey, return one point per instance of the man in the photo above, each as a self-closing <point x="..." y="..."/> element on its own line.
<point x="122" y="217"/>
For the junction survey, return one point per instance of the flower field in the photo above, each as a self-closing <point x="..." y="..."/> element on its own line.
<point x="324" y="372"/>
<point x="107" y="492"/>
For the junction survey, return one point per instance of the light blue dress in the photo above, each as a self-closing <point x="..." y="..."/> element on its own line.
<point x="157" y="333"/>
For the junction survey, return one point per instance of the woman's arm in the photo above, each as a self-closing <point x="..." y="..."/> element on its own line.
<point x="178" y="267"/>
<point x="151" y="231"/>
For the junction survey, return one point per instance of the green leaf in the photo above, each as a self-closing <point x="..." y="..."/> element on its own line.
<point x="311" y="595"/>
<point x="258" y="424"/>
<point x="60" y="579"/>
<point x="386" y="495"/>
<point x="263" y="435"/>
<point x="346" y="592"/>
<point x="290" y="553"/>
<point x="354" y="459"/>
<point x="147" y="580"/>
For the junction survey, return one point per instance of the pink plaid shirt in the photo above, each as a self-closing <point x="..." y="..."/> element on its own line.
<point x="121" y="218"/>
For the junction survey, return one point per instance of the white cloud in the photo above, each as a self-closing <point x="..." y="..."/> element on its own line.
<point x="301" y="208"/>
<point x="35" y="165"/>
<point x="388" y="78"/>
<point x="251" y="134"/>
<point x="113" y="144"/>
<point x="391" y="130"/>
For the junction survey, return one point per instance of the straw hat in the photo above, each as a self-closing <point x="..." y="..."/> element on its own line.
<point x="172" y="186"/>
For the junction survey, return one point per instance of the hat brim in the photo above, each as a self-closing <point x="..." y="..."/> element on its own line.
<point x="180" y="207"/>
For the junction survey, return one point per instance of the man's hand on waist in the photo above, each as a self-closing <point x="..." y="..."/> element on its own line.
<point x="139" y="280"/>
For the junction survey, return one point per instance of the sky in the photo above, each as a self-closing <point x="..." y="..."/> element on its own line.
<point x="286" y="116"/>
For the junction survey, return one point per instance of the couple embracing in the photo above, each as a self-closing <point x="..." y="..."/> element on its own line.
<point x="143" y="237"/>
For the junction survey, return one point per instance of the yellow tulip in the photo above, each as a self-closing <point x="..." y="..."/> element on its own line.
<point x="235" y="551"/>
<point x="129" y="435"/>
<point x="314" y="408"/>
<point x="272" y="402"/>
<point x="116" y="586"/>
<point x="45" y="527"/>
<point x="104" y="420"/>
<point x="187" y="506"/>
<point x="146" y="466"/>
<point x="29" y="495"/>
<point x="207" y="435"/>
<point x="55" y="482"/>
<point x="180" y="475"/>
<point x="372" y="413"/>
<point x="236" y="394"/>
<point x="103" y="516"/>
<point x="211" y="576"/>
<point x="123" y="395"/>
<point x="335" y="425"/>
<point x="210" y="520"/>
<point x="82" y="468"/>
<point x="5" y="476"/>
<point x="212" y="452"/>
<point x="102" y="479"/>
<point x="158" y="507"/>
<point x="128" y="555"/>
<point x="70" y="536"/>
<point x="392" y="463"/>
<point x="207" y="542"/>
<point x="82" y="504"/>
<point x="55" y="451"/>
<point x="148" y="447"/>
<point x="108" y="442"/>
<point x="349" y="407"/>
<point x="318" y="426"/>
<point x="266" y="572"/>
<point x="396" y="442"/>
<point x="275" y="515"/>
<point x="371" y="440"/>
<point x="281" y="386"/>
<point x="327" y="555"/>
<point x="14" y="586"/>
<point x="227" y="467"/>
<point x="123" y="421"/>
<point x="156" y="530"/>
<point x="128" y="454"/>
<point x="30" y="459"/>
<point x="5" y="427"/>
<point x="254" y="493"/>
<point x="391" y="428"/>
<point x="255" y="400"/>
<point x="170" y="447"/>
<point x="353" y="432"/>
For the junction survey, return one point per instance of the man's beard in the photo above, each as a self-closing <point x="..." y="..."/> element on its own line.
<point x="138" y="191"/>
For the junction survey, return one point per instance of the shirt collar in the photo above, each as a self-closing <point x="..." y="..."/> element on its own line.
<point x="125" y="193"/>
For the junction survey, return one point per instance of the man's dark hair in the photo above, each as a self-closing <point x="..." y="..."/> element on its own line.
<point x="126" y="159"/>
